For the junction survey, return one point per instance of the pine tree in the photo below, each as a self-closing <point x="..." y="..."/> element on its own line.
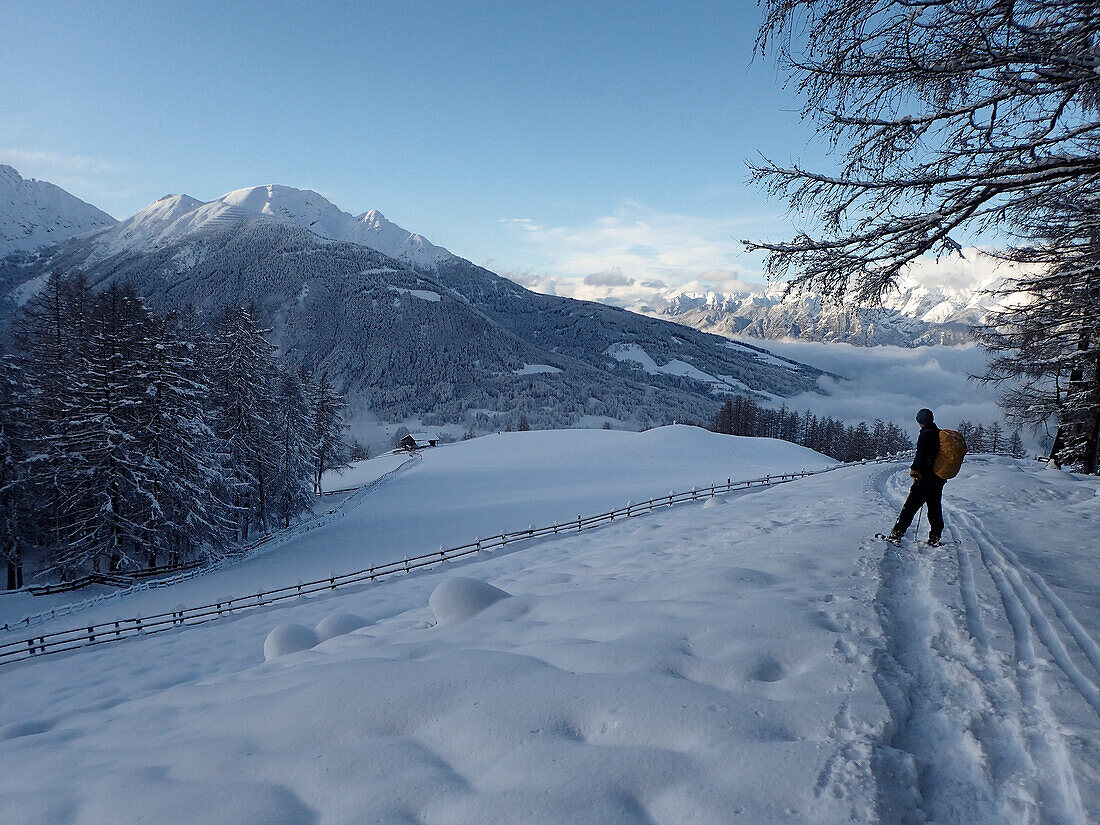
<point x="243" y="375"/>
<point x="51" y="337"/>
<point x="190" y="513"/>
<point x="14" y="486"/>
<point x="977" y="442"/>
<point x="294" y="473"/>
<point x="994" y="438"/>
<point x="1016" y="445"/>
<point x="723" y="419"/>
<point x="329" y="448"/>
<point x="879" y="442"/>
<point x="110" y="499"/>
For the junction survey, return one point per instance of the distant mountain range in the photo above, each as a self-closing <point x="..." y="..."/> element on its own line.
<point x="914" y="314"/>
<point x="408" y="329"/>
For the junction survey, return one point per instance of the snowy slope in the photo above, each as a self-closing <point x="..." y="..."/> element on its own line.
<point x="34" y="213"/>
<point x="757" y="660"/>
<point x="470" y="489"/>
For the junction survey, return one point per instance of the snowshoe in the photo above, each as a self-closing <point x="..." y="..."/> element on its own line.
<point x="934" y="541"/>
<point x="893" y="538"/>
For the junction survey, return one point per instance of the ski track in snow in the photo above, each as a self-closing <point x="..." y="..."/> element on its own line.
<point x="973" y="738"/>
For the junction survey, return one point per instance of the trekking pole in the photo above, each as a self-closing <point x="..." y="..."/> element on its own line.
<point x="921" y="510"/>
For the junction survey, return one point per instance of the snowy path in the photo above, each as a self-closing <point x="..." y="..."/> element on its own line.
<point x="754" y="660"/>
<point x="974" y="735"/>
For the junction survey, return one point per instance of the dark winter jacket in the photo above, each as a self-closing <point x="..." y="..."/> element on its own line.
<point x="928" y="447"/>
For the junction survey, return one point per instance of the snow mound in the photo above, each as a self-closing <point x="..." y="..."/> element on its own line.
<point x="339" y="624"/>
<point x="288" y="638"/>
<point x="460" y="598"/>
<point x="713" y="501"/>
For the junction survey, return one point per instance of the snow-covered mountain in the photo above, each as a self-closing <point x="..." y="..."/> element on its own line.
<point x="424" y="334"/>
<point x="915" y="314"/>
<point x="175" y="216"/>
<point x="34" y="213"/>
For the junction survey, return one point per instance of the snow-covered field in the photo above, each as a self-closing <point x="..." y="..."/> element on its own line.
<point x="455" y="494"/>
<point x="756" y="658"/>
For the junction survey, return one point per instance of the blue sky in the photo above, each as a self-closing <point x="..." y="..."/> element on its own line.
<point x="563" y="138"/>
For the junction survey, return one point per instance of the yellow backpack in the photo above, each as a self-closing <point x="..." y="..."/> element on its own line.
<point x="950" y="457"/>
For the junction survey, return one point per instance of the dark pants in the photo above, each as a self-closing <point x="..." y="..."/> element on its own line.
<point x="923" y="491"/>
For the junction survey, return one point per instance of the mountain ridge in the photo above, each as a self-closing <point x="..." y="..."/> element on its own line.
<point x="435" y="336"/>
<point x="34" y="213"/>
<point x="913" y="314"/>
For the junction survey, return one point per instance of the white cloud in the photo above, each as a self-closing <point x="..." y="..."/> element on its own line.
<point x="686" y="253"/>
<point x="976" y="269"/>
<point x="521" y="223"/>
<point x="613" y="277"/>
<point x="642" y="243"/>
<point x="892" y="383"/>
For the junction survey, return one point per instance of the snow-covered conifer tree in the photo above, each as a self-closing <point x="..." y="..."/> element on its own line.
<point x="1016" y="445"/>
<point x="51" y="334"/>
<point x="243" y="384"/>
<point x="190" y="512"/>
<point x="293" y="478"/>
<point x="14" y="486"/>
<point x="329" y="447"/>
<point x="110" y="500"/>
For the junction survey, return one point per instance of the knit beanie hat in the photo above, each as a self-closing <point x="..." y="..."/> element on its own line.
<point x="924" y="417"/>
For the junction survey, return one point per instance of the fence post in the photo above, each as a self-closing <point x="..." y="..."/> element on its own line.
<point x="578" y="524"/>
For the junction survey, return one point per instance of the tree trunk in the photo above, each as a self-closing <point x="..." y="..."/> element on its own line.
<point x="15" y="573"/>
<point x="1092" y="436"/>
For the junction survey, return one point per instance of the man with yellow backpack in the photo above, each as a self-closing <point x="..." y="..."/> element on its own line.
<point x="939" y="456"/>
